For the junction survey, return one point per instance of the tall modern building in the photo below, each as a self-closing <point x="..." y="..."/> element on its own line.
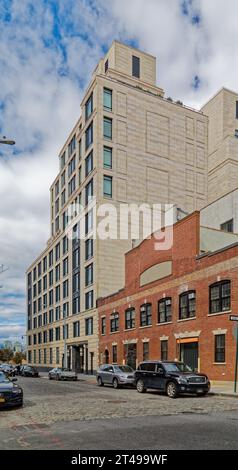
<point x="130" y="145"/>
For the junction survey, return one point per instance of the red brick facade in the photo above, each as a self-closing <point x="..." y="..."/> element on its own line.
<point x="190" y="272"/>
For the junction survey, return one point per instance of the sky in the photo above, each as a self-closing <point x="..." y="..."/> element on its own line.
<point x="48" y="50"/>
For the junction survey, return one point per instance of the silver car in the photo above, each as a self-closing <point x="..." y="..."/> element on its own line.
<point x="62" y="374"/>
<point x="116" y="375"/>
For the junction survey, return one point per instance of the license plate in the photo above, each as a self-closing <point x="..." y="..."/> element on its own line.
<point x="199" y="390"/>
<point x="2" y="400"/>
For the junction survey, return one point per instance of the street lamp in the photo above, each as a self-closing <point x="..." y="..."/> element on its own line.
<point x="6" y="141"/>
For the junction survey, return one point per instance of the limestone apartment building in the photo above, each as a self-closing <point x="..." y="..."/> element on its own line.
<point x="130" y="145"/>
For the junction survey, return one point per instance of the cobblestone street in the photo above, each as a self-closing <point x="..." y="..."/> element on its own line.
<point x="50" y="405"/>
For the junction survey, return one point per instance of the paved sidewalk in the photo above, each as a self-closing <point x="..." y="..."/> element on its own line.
<point x="223" y="388"/>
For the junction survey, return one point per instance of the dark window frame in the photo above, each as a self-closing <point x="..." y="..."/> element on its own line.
<point x="114" y="322"/>
<point x="130" y="322"/>
<point x="185" y="295"/>
<point x="221" y="299"/>
<point x="146" y="314"/>
<point x="167" y="310"/>
<point x="135" y="66"/>
<point x="220" y="350"/>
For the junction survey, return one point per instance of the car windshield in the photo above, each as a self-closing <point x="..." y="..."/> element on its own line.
<point x="3" y="378"/>
<point x="125" y="369"/>
<point x="176" y="367"/>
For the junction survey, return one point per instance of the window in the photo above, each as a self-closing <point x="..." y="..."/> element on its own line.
<point x="44" y="356"/>
<point x="65" y="244"/>
<point x="72" y="185"/>
<point x="51" y="277"/>
<point x="146" y="351"/>
<point x="80" y="149"/>
<point x="62" y="161"/>
<point x="89" y="136"/>
<point x="72" y="146"/>
<point x="89" y="107"/>
<point x="29" y="357"/>
<point x="227" y="226"/>
<point x="45" y="301"/>
<point x="45" y="336"/>
<point x="164" y="350"/>
<point x="51" y="335"/>
<point x="57" y="206"/>
<point x="34" y="339"/>
<point x="51" y="355"/>
<point x="164" y="310"/>
<point x="135" y="66"/>
<point x="106" y="66"/>
<point x="76" y="282"/>
<point x="65" y="266"/>
<point x="88" y="222"/>
<point x="107" y="99"/>
<point x="114" y="353"/>
<point x="236" y="133"/>
<point x="65" y="309"/>
<point x="89" y="300"/>
<point x="51" y="316"/>
<point x="44" y="264"/>
<point x="71" y="166"/>
<point x="76" y="258"/>
<point x="89" y="164"/>
<point x="57" y="273"/>
<point x="187" y="305"/>
<point x="76" y="304"/>
<point x="39" y="287"/>
<point x="107" y="128"/>
<point x="220" y="297"/>
<point x="39" y="304"/>
<point x="89" y="275"/>
<point x="57" y="333"/>
<point x="107" y="186"/>
<point x="57" y="252"/>
<point x="89" y="248"/>
<point x="57" y="313"/>
<point x="57" y="294"/>
<point x="65" y="289"/>
<point x="57" y="224"/>
<point x="89" y="326"/>
<point x="44" y="282"/>
<point x="89" y="192"/>
<point x="107" y="157"/>
<point x="220" y="348"/>
<point x="76" y="329"/>
<point x="56" y="188"/>
<point x="63" y="179"/>
<point x="45" y="318"/>
<point x="39" y="269"/>
<point x="146" y="315"/>
<point x="65" y="331"/>
<point x="51" y="258"/>
<point x="57" y="355"/>
<point x="114" y="322"/>
<point x="130" y="318"/>
<point x="34" y="274"/>
<point x="103" y="324"/>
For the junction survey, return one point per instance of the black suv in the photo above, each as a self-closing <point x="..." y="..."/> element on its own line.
<point x="171" y="377"/>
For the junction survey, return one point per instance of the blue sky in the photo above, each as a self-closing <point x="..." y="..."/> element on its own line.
<point x="48" y="50"/>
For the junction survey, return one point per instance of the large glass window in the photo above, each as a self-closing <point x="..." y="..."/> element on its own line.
<point x="135" y="66"/>
<point x="114" y="353"/>
<point x="187" y="305"/>
<point x="220" y="343"/>
<point x="103" y="325"/>
<point x="65" y="289"/>
<point x="89" y="274"/>
<point x="89" y="164"/>
<point x="89" y="248"/>
<point x="89" y="107"/>
<point x="220" y="297"/>
<point x="89" y="300"/>
<point x="89" y="326"/>
<point x="76" y="329"/>
<point x="88" y="221"/>
<point x="146" y="351"/>
<point x="228" y="226"/>
<point x="107" y="157"/>
<point x="164" y="350"/>
<point x="76" y="304"/>
<point x="130" y="318"/>
<point x="89" y="136"/>
<point x="107" y="128"/>
<point x="107" y="99"/>
<point x="107" y="186"/>
<point x="164" y="310"/>
<point x="89" y="192"/>
<point x="146" y="315"/>
<point x="114" y="322"/>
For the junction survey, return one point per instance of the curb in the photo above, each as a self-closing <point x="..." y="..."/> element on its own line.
<point x="224" y="394"/>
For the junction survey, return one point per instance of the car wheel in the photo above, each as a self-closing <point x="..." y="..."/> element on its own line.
<point x="100" y="382"/>
<point x="140" y="386"/>
<point x="172" y="390"/>
<point x="115" y="383"/>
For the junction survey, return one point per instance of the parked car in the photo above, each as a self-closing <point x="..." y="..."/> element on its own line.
<point x="11" y="394"/>
<point x="29" y="371"/>
<point x="8" y="370"/>
<point x="62" y="374"/>
<point x="116" y="375"/>
<point x="172" y="377"/>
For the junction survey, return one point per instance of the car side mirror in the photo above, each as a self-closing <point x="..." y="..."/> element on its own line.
<point x="160" y="371"/>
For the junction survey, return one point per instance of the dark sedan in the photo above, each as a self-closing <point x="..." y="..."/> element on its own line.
<point x="11" y="394"/>
<point x="29" y="371"/>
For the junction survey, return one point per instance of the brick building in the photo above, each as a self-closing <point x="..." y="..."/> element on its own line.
<point x="176" y="303"/>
